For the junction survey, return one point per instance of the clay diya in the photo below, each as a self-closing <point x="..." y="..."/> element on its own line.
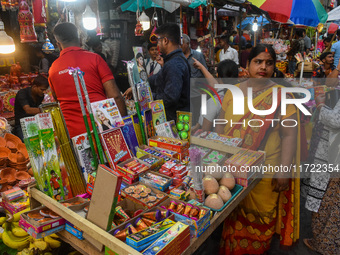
<point x="4" y="152"/>
<point x="12" y="158"/>
<point x="20" y="157"/>
<point x="21" y="175"/>
<point x="22" y="148"/>
<point x="8" y="173"/>
<point x="35" y="216"/>
<point x="13" y="138"/>
<point x="2" y="142"/>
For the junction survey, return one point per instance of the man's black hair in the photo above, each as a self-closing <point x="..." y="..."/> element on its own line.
<point x="249" y="46"/>
<point x="150" y="45"/>
<point x="170" y="31"/>
<point x="299" y="33"/>
<point x="328" y="39"/>
<point x="40" y="81"/>
<point x="225" y="38"/>
<point x="66" y="32"/>
<point x="325" y="54"/>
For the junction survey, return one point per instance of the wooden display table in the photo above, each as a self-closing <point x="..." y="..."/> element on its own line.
<point x="83" y="246"/>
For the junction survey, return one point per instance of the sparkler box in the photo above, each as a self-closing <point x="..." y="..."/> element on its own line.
<point x="174" y="241"/>
<point x="115" y="147"/>
<point x="245" y="158"/>
<point x="172" y="144"/>
<point x="130" y="134"/>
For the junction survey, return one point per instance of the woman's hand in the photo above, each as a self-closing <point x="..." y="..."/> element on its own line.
<point x="160" y="60"/>
<point x="280" y="182"/>
<point x="197" y="64"/>
<point x="128" y="93"/>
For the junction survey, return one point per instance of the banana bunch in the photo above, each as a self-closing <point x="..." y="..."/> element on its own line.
<point x="44" y="244"/>
<point x="13" y="241"/>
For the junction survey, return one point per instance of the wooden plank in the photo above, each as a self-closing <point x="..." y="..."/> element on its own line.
<point x="86" y="226"/>
<point x="82" y="246"/>
<point x="214" y="145"/>
<point x="218" y="218"/>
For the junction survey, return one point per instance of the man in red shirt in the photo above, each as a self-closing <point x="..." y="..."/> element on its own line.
<point x="99" y="80"/>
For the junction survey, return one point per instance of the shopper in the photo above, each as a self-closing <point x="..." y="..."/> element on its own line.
<point x="97" y="47"/>
<point x="225" y="69"/>
<point x="227" y="52"/>
<point x="151" y="64"/>
<point x="336" y="49"/>
<point x="299" y="36"/>
<point x="294" y="49"/>
<point x="325" y="69"/>
<point x="307" y="41"/>
<point x="99" y="80"/>
<point x="27" y="102"/>
<point x="245" y="54"/>
<point x="327" y="44"/>
<point x="172" y="82"/>
<point x="273" y="204"/>
<point x="323" y="193"/>
<point x="195" y="95"/>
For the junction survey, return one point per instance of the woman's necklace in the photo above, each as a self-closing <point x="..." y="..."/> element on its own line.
<point x="257" y="91"/>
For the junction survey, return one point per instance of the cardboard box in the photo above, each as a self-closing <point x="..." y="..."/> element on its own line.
<point x="141" y="151"/>
<point x="132" y="175"/>
<point x="31" y="231"/>
<point x="179" y="146"/>
<point x="308" y="67"/>
<point x="138" y="239"/>
<point x="244" y="159"/>
<point x="153" y="191"/>
<point x="196" y="227"/>
<point x="174" y="241"/>
<point x="103" y="202"/>
<point x="151" y="183"/>
<point x="156" y="165"/>
<point x="40" y="227"/>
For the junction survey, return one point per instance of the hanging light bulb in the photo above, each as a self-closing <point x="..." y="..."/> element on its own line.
<point x="255" y="26"/>
<point x="199" y="49"/>
<point x="89" y="19"/>
<point x="145" y="21"/>
<point x="6" y="42"/>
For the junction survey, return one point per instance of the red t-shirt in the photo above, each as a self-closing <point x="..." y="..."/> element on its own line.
<point x="96" y="73"/>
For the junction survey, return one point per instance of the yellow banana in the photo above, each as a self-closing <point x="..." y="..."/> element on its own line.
<point x="41" y="245"/>
<point x="2" y="220"/>
<point x="53" y="243"/>
<point x="54" y="236"/>
<point x="19" y="232"/>
<point x="14" y="242"/>
<point x="16" y="217"/>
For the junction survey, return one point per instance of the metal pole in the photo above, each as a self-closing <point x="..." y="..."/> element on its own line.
<point x="239" y="34"/>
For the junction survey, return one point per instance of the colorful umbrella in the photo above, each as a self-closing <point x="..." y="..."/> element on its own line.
<point x="300" y="12"/>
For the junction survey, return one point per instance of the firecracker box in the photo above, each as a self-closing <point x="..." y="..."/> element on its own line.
<point x="197" y="227"/>
<point x="154" y="192"/>
<point x="132" y="174"/>
<point x="246" y="159"/>
<point x="153" y="183"/>
<point x="36" y="235"/>
<point x="246" y="182"/>
<point x="172" y="144"/>
<point x="146" y="150"/>
<point x="156" y="165"/>
<point x="174" y="241"/>
<point x="39" y="227"/>
<point x="79" y="209"/>
<point x="150" y="234"/>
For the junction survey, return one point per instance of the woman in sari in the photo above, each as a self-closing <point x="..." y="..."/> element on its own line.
<point x="273" y="204"/>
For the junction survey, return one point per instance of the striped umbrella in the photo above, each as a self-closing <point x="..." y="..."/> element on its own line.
<point x="300" y="12"/>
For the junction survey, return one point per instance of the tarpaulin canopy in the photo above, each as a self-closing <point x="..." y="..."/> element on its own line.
<point x="250" y="21"/>
<point x="168" y="5"/>
<point x="300" y="12"/>
<point x="334" y="14"/>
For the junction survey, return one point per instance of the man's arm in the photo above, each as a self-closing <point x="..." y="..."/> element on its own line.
<point x="31" y="110"/>
<point x="112" y="91"/>
<point x="236" y="57"/>
<point x="332" y="79"/>
<point x="173" y="77"/>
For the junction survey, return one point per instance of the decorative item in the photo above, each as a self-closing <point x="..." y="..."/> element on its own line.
<point x="138" y="29"/>
<point x="47" y="47"/>
<point x="39" y="12"/>
<point x="9" y="100"/>
<point x="25" y="19"/>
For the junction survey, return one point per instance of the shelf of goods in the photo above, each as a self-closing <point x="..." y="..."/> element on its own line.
<point x="119" y="247"/>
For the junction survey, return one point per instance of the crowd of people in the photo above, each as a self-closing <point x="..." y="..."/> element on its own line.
<point x="273" y="205"/>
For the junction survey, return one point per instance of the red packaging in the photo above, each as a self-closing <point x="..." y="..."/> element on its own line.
<point x="181" y="175"/>
<point x="165" y="172"/>
<point x="176" y="181"/>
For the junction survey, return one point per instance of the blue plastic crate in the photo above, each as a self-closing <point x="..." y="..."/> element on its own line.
<point x="234" y="192"/>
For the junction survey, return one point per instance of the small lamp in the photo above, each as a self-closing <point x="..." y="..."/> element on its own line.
<point x="6" y="42"/>
<point x="89" y="19"/>
<point x="145" y="21"/>
<point x="255" y="26"/>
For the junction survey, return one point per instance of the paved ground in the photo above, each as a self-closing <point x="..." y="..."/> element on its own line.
<point x="212" y="244"/>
